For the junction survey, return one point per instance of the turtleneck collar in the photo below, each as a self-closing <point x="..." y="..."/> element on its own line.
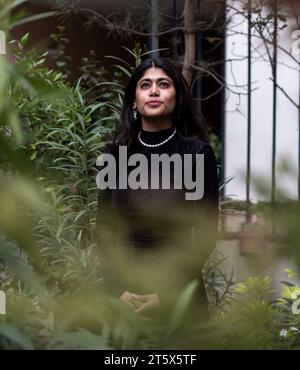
<point x="155" y="137"/>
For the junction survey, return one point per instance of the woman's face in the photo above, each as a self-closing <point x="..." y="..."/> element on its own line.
<point x="155" y="94"/>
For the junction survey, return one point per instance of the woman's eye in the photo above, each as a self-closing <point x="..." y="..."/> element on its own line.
<point x="164" y="84"/>
<point x="144" y="85"/>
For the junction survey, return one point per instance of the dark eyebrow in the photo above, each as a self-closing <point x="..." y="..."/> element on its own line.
<point x="158" y="79"/>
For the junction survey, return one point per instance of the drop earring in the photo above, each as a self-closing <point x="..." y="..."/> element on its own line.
<point x="134" y="112"/>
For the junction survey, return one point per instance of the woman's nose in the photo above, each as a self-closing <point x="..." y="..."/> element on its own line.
<point x="154" y="90"/>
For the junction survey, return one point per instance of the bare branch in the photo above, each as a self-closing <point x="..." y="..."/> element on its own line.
<point x="111" y="26"/>
<point x="189" y="38"/>
<point x="285" y="94"/>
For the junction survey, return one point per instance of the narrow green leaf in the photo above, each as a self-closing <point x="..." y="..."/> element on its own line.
<point x="16" y="336"/>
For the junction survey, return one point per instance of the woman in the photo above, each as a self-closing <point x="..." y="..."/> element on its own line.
<point x="157" y="226"/>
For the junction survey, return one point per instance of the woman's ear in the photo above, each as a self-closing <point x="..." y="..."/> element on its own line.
<point x="134" y="105"/>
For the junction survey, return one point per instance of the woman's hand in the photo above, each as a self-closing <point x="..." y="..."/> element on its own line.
<point x="142" y="304"/>
<point x="128" y="299"/>
<point x="146" y="303"/>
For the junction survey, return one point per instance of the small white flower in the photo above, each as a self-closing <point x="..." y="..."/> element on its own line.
<point x="283" y="333"/>
<point x="294" y="329"/>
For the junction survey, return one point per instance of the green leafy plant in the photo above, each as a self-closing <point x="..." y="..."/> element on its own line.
<point x="51" y="133"/>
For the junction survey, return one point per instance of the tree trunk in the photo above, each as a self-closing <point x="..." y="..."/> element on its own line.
<point x="189" y="39"/>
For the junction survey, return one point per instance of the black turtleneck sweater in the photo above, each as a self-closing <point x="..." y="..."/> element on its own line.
<point x="149" y="221"/>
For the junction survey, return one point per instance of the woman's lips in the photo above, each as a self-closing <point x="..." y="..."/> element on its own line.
<point x="154" y="104"/>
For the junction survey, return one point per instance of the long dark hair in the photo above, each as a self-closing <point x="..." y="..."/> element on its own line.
<point x="185" y="118"/>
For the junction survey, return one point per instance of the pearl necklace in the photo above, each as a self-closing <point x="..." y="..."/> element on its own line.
<point x="155" y="145"/>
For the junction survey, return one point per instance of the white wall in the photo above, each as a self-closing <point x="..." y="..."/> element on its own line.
<point x="262" y="105"/>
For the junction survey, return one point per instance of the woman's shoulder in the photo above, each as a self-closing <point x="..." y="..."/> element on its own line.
<point x="110" y="148"/>
<point x="195" y="145"/>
